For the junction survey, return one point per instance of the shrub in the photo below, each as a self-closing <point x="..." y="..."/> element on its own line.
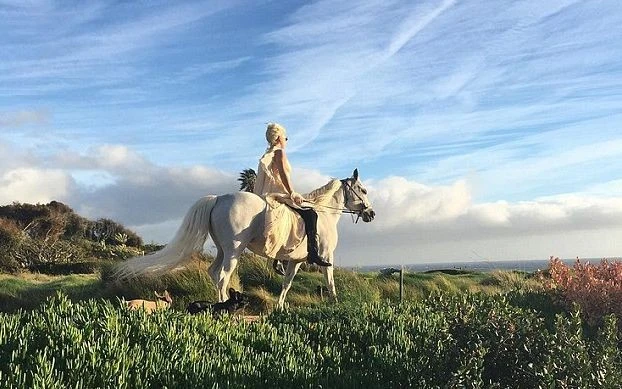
<point x="11" y="237"/>
<point x="34" y="253"/>
<point x="111" y="252"/>
<point x="596" y="289"/>
<point x="108" y="231"/>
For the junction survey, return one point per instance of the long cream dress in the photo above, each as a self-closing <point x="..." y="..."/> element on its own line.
<point x="284" y="228"/>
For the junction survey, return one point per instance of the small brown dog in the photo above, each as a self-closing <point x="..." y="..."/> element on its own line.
<point x="164" y="301"/>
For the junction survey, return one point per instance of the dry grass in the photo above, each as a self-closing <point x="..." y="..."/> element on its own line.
<point x="261" y="299"/>
<point x="255" y="278"/>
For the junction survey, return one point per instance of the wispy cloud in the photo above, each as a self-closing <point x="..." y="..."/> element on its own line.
<point x="74" y="45"/>
<point x="23" y="118"/>
<point x="194" y="72"/>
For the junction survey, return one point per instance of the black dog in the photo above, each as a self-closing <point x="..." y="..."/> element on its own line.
<point x="237" y="300"/>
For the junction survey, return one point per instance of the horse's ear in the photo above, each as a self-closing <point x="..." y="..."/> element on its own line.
<point x="355" y="174"/>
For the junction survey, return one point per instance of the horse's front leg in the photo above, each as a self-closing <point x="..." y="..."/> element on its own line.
<point x="330" y="280"/>
<point x="290" y="273"/>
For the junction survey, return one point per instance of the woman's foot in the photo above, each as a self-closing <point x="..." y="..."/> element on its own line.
<point x="316" y="259"/>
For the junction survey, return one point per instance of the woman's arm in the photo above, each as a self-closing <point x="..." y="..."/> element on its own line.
<point x="280" y="160"/>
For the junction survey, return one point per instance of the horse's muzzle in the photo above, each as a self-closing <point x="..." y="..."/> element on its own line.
<point x="368" y="215"/>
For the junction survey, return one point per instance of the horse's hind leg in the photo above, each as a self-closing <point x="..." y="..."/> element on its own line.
<point x="290" y="273"/>
<point x="223" y="266"/>
<point x="230" y="255"/>
<point x="229" y="264"/>
<point x="216" y="267"/>
<point x="330" y="281"/>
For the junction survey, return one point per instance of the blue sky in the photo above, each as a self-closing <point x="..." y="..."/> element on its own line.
<point x="483" y="129"/>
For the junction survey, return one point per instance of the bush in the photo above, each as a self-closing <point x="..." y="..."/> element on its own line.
<point x="11" y="237"/>
<point x="34" y="253"/>
<point x="110" y="232"/>
<point x="86" y="267"/>
<point x="106" y="252"/>
<point x="596" y="289"/>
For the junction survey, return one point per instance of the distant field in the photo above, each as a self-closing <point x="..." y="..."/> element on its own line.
<point x="483" y="266"/>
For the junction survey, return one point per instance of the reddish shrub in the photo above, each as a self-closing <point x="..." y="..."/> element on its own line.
<point x="597" y="288"/>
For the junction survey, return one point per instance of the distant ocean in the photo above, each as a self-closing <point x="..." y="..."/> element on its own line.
<point x="480" y="266"/>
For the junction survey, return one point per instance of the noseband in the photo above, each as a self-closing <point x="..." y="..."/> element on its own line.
<point x="359" y="213"/>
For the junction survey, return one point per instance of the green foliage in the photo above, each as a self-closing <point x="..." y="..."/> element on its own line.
<point x="355" y="289"/>
<point x="462" y="340"/>
<point x="111" y="252"/>
<point x="256" y="278"/>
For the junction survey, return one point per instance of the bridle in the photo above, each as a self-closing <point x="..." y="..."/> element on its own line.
<point x="345" y="186"/>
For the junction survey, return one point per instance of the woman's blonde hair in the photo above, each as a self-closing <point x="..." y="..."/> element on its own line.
<point x="273" y="132"/>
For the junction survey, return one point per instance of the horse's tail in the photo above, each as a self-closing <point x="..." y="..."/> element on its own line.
<point x="190" y="237"/>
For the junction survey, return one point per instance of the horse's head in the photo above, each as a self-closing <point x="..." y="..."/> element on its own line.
<point x="356" y="197"/>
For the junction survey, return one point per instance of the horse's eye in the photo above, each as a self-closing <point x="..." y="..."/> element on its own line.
<point x="364" y="191"/>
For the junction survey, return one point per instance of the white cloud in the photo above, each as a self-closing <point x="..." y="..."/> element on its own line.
<point x="446" y="226"/>
<point x="32" y="185"/>
<point x="401" y="202"/>
<point x="414" y="221"/>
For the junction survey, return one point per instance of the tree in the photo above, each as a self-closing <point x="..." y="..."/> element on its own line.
<point x="247" y="180"/>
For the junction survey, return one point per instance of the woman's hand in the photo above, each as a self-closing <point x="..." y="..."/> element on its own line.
<point x="296" y="198"/>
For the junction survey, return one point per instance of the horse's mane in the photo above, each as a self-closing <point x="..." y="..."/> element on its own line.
<point x="325" y="193"/>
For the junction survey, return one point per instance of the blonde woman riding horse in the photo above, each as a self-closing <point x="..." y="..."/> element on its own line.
<point x="273" y="178"/>
<point x="241" y="220"/>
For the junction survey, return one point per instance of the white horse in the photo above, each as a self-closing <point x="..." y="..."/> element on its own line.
<point x="236" y="221"/>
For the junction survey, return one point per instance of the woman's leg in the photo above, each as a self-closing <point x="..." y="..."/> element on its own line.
<point x="309" y="216"/>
